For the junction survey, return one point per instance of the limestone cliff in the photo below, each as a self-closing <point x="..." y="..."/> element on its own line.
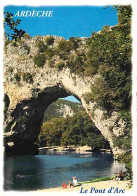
<point x="62" y="108"/>
<point x="30" y="88"/>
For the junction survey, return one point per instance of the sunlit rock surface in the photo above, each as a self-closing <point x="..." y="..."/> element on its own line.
<point x="26" y="101"/>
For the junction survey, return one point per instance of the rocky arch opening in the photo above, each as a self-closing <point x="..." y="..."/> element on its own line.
<point x="26" y="119"/>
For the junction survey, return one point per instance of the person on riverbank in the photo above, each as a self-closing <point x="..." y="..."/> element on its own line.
<point x="70" y="184"/>
<point x="120" y="176"/>
<point x="75" y="182"/>
<point x="64" y="185"/>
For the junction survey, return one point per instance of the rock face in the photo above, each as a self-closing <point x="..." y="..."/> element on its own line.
<point x="62" y="108"/>
<point x="27" y="100"/>
<point x="66" y="111"/>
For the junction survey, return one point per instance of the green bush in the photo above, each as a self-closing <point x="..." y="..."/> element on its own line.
<point x="42" y="47"/>
<point x="74" y="42"/>
<point x="51" y="63"/>
<point x="49" y="53"/>
<point x="14" y="44"/>
<point x="63" y="56"/>
<point x="10" y="69"/>
<point x="27" y="77"/>
<point x="49" y="40"/>
<point x="20" y="41"/>
<point x="89" y="70"/>
<point x="101" y="95"/>
<point x="7" y="42"/>
<point x="71" y="65"/>
<point x="39" y="60"/>
<point x="26" y="36"/>
<point x="75" y="65"/>
<point x="60" y="65"/>
<point x="17" y="77"/>
<point x="105" y="29"/>
<point x="87" y="97"/>
<point x="64" y="46"/>
<point x="79" y="63"/>
<point x="27" y="48"/>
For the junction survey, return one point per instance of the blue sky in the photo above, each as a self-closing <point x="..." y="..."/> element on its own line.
<point x="70" y="21"/>
<point x="67" y="21"/>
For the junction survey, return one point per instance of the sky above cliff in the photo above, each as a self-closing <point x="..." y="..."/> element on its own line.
<point x="67" y="21"/>
<point x="70" y="21"/>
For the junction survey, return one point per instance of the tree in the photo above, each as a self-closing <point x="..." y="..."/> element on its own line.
<point x="109" y="56"/>
<point x="10" y="26"/>
<point x="76" y="130"/>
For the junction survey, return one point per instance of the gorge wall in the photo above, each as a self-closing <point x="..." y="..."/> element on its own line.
<point x="62" y="108"/>
<point x="29" y="89"/>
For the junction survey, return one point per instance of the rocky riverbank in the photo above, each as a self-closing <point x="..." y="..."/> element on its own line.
<point x="77" y="149"/>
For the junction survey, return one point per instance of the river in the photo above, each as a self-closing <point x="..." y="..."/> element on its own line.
<point x="51" y="169"/>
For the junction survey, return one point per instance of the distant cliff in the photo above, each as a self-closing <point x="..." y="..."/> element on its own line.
<point x="62" y="108"/>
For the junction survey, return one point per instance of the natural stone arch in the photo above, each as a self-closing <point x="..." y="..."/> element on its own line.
<point x="25" y="120"/>
<point x="28" y="100"/>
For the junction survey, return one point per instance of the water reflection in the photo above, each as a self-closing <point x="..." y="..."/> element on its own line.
<point x="23" y="172"/>
<point x="51" y="169"/>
